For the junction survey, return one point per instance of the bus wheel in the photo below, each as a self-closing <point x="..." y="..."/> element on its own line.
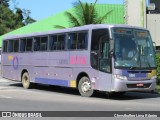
<point x="26" y="80"/>
<point x="84" y="87"/>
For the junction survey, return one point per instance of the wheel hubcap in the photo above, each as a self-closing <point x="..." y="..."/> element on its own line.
<point x="86" y="86"/>
<point x="25" y="80"/>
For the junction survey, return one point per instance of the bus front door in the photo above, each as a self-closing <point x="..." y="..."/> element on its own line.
<point x="105" y="72"/>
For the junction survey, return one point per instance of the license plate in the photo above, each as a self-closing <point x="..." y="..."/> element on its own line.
<point x="140" y="85"/>
<point x="132" y="75"/>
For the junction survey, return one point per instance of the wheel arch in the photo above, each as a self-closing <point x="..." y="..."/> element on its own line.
<point x="23" y="71"/>
<point x="80" y="75"/>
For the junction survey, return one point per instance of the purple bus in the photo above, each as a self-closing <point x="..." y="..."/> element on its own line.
<point x="109" y="58"/>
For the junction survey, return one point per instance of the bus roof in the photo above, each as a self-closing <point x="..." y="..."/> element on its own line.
<point x="85" y="27"/>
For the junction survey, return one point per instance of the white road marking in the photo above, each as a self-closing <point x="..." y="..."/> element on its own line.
<point x="3" y="96"/>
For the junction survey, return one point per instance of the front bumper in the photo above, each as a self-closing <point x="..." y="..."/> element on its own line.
<point x="125" y="85"/>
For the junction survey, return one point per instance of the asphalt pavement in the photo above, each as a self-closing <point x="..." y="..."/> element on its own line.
<point x="7" y="84"/>
<point x="13" y="97"/>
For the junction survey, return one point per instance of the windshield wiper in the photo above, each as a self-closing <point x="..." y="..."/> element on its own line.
<point x="133" y="68"/>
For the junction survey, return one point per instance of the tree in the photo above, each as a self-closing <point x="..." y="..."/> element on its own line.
<point x="19" y="18"/>
<point x="23" y="15"/>
<point x="27" y="18"/>
<point x="84" y="14"/>
<point x="4" y="3"/>
<point x="12" y="19"/>
<point x="6" y="20"/>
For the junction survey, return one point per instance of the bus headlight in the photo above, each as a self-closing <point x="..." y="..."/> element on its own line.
<point x="120" y="77"/>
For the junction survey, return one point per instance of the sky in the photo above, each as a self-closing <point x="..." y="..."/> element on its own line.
<point x="41" y="9"/>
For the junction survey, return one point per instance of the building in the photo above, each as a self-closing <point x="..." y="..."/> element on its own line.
<point x="47" y="24"/>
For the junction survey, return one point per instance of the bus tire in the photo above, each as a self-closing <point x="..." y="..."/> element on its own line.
<point x="84" y="87"/>
<point x="26" y="81"/>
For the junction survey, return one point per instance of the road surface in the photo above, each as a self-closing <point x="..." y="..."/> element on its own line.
<point x="51" y="98"/>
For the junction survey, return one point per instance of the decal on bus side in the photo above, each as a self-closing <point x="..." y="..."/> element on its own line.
<point x="10" y="57"/>
<point x="15" y="63"/>
<point x="78" y="60"/>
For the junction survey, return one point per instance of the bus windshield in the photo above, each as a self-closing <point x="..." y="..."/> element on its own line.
<point x="133" y="48"/>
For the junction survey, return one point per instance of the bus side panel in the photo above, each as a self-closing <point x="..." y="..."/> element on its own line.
<point x="54" y="70"/>
<point x="99" y="80"/>
<point x="14" y="64"/>
<point x="105" y="81"/>
<point x="53" y="76"/>
<point x="80" y="61"/>
<point x="10" y="66"/>
<point x="7" y="72"/>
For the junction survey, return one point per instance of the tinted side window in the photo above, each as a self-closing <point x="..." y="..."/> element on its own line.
<point x="10" y="46"/>
<point x="61" y="42"/>
<point x="97" y="36"/>
<point x="5" y="45"/>
<point x="40" y="43"/>
<point x="78" y="40"/>
<point x="29" y="44"/>
<point x="72" y="41"/>
<point x="52" y="42"/>
<point x="23" y="45"/>
<point x="82" y="40"/>
<point x="37" y="42"/>
<point x="16" y="45"/>
<point x="43" y="44"/>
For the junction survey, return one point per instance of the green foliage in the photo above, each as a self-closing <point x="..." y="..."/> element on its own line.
<point x="7" y="21"/>
<point x="158" y="89"/>
<point x="158" y="67"/>
<point x="29" y="20"/>
<point x="18" y="17"/>
<point x="84" y="14"/>
<point x="4" y="3"/>
<point x="11" y="20"/>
